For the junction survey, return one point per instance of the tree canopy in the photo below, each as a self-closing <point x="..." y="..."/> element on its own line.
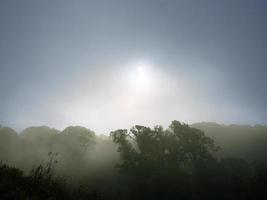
<point x="145" y="151"/>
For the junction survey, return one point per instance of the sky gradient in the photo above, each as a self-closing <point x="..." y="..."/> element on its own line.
<point x="112" y="64"/>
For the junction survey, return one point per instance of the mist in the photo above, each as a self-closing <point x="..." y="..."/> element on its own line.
<point x="141" y="99"/>
<point x="77" y="63"/>
<point x="83" y="159"/>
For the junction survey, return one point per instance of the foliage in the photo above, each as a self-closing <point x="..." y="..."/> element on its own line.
<point x="177" y="149"/>
<point x="180" y="162"/>
<point x="40" y="184"/>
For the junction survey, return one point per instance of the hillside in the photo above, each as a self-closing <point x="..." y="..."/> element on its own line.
<point x="241" y="141"/>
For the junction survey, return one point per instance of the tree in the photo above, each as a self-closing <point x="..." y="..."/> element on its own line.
<point x="164" y="162"/>
<point x="8" y="144"/>
<point x="179" y="148"/>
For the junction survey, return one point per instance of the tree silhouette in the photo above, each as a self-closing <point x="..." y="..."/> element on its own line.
<point x="155" y="157"/>
<point x="177" y="147"/>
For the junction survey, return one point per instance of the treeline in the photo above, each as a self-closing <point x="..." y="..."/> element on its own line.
<point x="180" y="162"/>
<point x="240" y="141"/>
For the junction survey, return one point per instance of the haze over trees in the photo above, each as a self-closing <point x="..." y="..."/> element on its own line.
<point x="203" y="160"/>
<point x="106" y="78"/>
<point x="241" y="141"/>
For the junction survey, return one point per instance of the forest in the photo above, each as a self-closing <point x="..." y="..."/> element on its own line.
<point x="197" y="161"/>
<point x="133" y="100"/>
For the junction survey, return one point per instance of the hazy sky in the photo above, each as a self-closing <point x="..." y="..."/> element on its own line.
<point x="112" y="64"/>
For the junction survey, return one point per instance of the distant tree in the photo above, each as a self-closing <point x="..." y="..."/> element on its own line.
<point x="78" y="135"/>
<point x="8" y="143"/>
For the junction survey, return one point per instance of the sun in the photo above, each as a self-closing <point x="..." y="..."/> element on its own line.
<point x="140" y="69"/>
<point x="139" y="76"/>
<point x="142" y="74"/>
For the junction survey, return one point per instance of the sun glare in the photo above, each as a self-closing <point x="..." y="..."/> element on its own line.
<point x="140" y="69"/>
<point x="142" y="78"/>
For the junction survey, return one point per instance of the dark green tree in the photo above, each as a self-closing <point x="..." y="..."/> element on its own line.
<point x="164" y="160"/>
<point x="179" y="148"/>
